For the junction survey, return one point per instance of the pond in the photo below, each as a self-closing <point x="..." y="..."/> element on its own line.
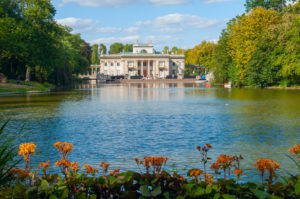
<point x="118" y="122"/>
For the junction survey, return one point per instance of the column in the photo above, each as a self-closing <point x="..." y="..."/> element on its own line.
<point x="154" y="69"/>
<point x="148" y="68"/>
<point x="136" y="66"/>
<point x="142" y="68"/>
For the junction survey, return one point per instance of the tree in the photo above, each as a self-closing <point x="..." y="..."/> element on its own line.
<point x="103" y="49"/>
<point x="33" y="46"/>
<point x="277" y="5"/>
<point x="174" y="50"/>
<point x="128" y="48"/>
<point x="245" y="33"/>
<point x="277" y="54"/>
<point x="116" y="48"/>
<point x="95" y="55"/>
<point x="166" y="50"/>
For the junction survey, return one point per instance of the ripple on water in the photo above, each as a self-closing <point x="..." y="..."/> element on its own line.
<point x="116" y="123"/>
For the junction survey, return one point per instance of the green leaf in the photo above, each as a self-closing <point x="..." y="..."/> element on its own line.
<point x="275" y="197"/>
<point x="167" y="195"/>
<point x="227" y="196"/>
<point x="217" y="196"/>
<point x="188" y="187"/>
<point x="80" y="196"/>
<point x="260" y="194"/>
<point x="145" y="191"/>
<point x="180" y="197"/>
<point x="297" y="187"/>
<point x="154" y="181"/>
<point x="208" y="189"/>
<point x="156" y="191"/>
<point x="198" y="191"/>
<point x="93" y="196"/>
<point x="44" y="186"/>
<point x="30" y="189"/>
<point x="215" y="187"/>
<point x="53" y="197"/>
<point x="128" y="175"/>
<point x="65" y="194"/>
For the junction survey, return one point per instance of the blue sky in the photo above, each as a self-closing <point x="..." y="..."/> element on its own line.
<point x="181" y="23"/>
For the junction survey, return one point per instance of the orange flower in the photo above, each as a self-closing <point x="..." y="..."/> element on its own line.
<point x="104" y="166"/>
<point x="137" y="160"/>
<point x="215" y="166"/>
<point x="155" y="162"/>
<point x="195" y="173"/>
<point x="90" y="169"/>
<point x="74" y="166"/>
<point x="63" y="162"/>
<point x="45" y="165"/>
<point x="267" y="165"/>
<point x="295" y="149"/>
<point x="238" y="172"/>
<point x="115" y="172"/>
<point x="26" y="149"/>
<point x="19" y="171"/>
<point x="182" y="178"/>
<point x="208" y="146"/>
<point x="198" y="148"/>
<point x="209" y="179"/>
<point x="64" y="148"/>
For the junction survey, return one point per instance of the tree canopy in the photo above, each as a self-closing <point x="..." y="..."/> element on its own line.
<point x="33" y="46"/>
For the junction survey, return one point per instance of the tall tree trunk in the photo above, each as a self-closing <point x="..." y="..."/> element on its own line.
<point x="27" y="74"/>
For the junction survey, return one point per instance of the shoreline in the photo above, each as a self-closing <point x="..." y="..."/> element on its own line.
<point x="11" y="88"/>
<point x="159" y="80"/>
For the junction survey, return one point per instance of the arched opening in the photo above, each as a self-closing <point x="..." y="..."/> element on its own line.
<point x="143" y="51"/>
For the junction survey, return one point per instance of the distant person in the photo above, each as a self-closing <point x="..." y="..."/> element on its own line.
<point x="203" y="77"/>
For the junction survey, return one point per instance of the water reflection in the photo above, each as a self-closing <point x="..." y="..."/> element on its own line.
<point x="117" y="122"/>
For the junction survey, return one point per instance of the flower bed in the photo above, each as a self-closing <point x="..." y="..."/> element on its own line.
<point x="151" y="182"/>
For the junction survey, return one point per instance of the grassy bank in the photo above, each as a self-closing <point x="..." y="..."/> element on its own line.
<point x="11" y="86"/>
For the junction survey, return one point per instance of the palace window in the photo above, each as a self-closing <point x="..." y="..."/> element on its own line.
<point x="161" y="64"/>
<point x="112" y="64"/>
<point x="118" y="63"/>
<point x="130" y="63"/>
<point x="105" y="64"/>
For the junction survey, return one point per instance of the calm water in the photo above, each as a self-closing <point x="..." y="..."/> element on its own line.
<point x="116" y="123"/>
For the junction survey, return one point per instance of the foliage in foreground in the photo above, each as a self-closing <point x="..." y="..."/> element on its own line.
<point x="7" y="156"/>
<point x="152" y="183"/>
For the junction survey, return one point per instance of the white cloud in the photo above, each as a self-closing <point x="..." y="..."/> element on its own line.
<point x="132" y="29"/>
<point x="178" y="22"/>
<point x="110" y="40"/>
<point x="214" y="1"/>
<point x="108" y="29"/>
<point x="78" y="25"/>
<point x="161" y="39"/>
<point x="168" y="2"/>
<point x="119" y="3"/>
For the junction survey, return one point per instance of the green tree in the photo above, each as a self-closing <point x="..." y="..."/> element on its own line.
<point x="276" y="58"/>
<point x="174" y="50"/>
<point x="245" y="33"/>
<point x="103" y="49"/>
<point x="95" y="55"/>
<point x="277" y="5"/>
<point x="128" y="48"/>
<point x="116" y="48"/>
<point x="166" y="50"/>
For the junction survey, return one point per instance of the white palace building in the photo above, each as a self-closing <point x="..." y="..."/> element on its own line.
<point x="143" y="62"/>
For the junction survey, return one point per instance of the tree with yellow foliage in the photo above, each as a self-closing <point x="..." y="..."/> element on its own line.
<point x="244" y="35"/>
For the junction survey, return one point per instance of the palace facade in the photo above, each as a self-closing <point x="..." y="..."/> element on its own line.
<point x="143" y="62"/>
